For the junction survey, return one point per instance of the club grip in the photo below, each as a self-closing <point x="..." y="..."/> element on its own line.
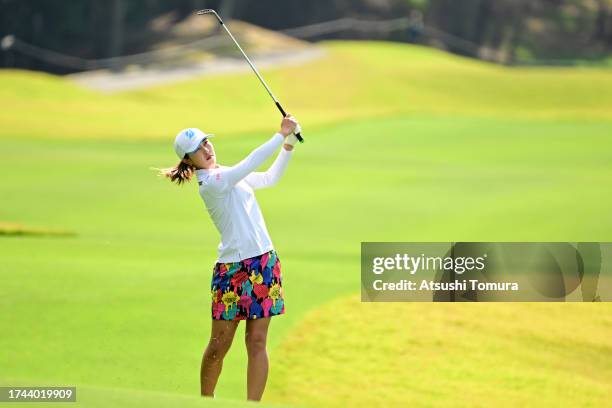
<point x="297" y="135"/>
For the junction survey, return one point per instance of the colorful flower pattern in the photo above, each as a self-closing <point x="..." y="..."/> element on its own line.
<point x="247" y="289"/>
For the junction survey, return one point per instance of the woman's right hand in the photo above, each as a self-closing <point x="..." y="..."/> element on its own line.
<point x="288" y="125"/>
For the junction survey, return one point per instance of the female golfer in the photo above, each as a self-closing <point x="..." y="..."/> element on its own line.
<point x="246" y="279"/>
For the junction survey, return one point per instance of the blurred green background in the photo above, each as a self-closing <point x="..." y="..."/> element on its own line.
<point x="105" y="267"/>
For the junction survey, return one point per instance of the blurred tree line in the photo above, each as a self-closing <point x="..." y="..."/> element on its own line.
<point x="530" y="29"/>
<point x="527" y="29"/>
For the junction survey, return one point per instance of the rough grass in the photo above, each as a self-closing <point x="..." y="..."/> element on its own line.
<point x="355" y="81"/>
<point x="475" y="355"/>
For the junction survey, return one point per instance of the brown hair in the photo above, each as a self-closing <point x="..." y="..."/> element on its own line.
<point x="180" y="173"/>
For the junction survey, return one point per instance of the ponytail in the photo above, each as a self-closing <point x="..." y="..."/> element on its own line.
<point x="180" y="173"/>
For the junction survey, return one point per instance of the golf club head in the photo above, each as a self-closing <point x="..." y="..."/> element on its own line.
<point x="209" y="11"/>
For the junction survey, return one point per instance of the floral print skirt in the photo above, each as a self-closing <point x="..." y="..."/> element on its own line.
<point x="247" y="289"/>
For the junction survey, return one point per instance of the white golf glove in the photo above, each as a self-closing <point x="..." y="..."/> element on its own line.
<point x="291" y="140"/>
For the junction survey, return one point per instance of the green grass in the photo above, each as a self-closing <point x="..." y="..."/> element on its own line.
<point x="442" y="355"/>
<point x="434" y="148"/>
<point x="357" y="80"/>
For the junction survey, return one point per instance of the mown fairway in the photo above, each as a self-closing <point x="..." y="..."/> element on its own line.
<point x="402" y="144"/>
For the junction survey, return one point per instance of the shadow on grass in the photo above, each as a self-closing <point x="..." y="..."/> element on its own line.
<point x="9" y="229"/>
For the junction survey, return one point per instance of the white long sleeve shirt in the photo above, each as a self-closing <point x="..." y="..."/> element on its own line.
<point x="230" y="200"/>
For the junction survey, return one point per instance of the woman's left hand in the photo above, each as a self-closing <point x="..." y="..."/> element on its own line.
<point x="289" y="125"/>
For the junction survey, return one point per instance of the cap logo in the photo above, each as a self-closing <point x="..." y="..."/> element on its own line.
<point x="189" y="133"/>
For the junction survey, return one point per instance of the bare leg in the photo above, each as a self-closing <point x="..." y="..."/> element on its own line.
<point x="221" y="337"/>
<point x="257" y="372"/>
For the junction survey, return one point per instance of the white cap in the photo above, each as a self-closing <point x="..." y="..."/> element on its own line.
<point x="188" y="140"/>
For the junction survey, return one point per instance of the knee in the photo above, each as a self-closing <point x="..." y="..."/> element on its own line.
<point x="216" y="349"/>
<point x="255" y="342"/>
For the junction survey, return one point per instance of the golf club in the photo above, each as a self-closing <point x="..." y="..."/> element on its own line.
<point x="278" y="105"/>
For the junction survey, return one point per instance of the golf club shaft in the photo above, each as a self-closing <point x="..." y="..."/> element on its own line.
<point x="263" y="82"/>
